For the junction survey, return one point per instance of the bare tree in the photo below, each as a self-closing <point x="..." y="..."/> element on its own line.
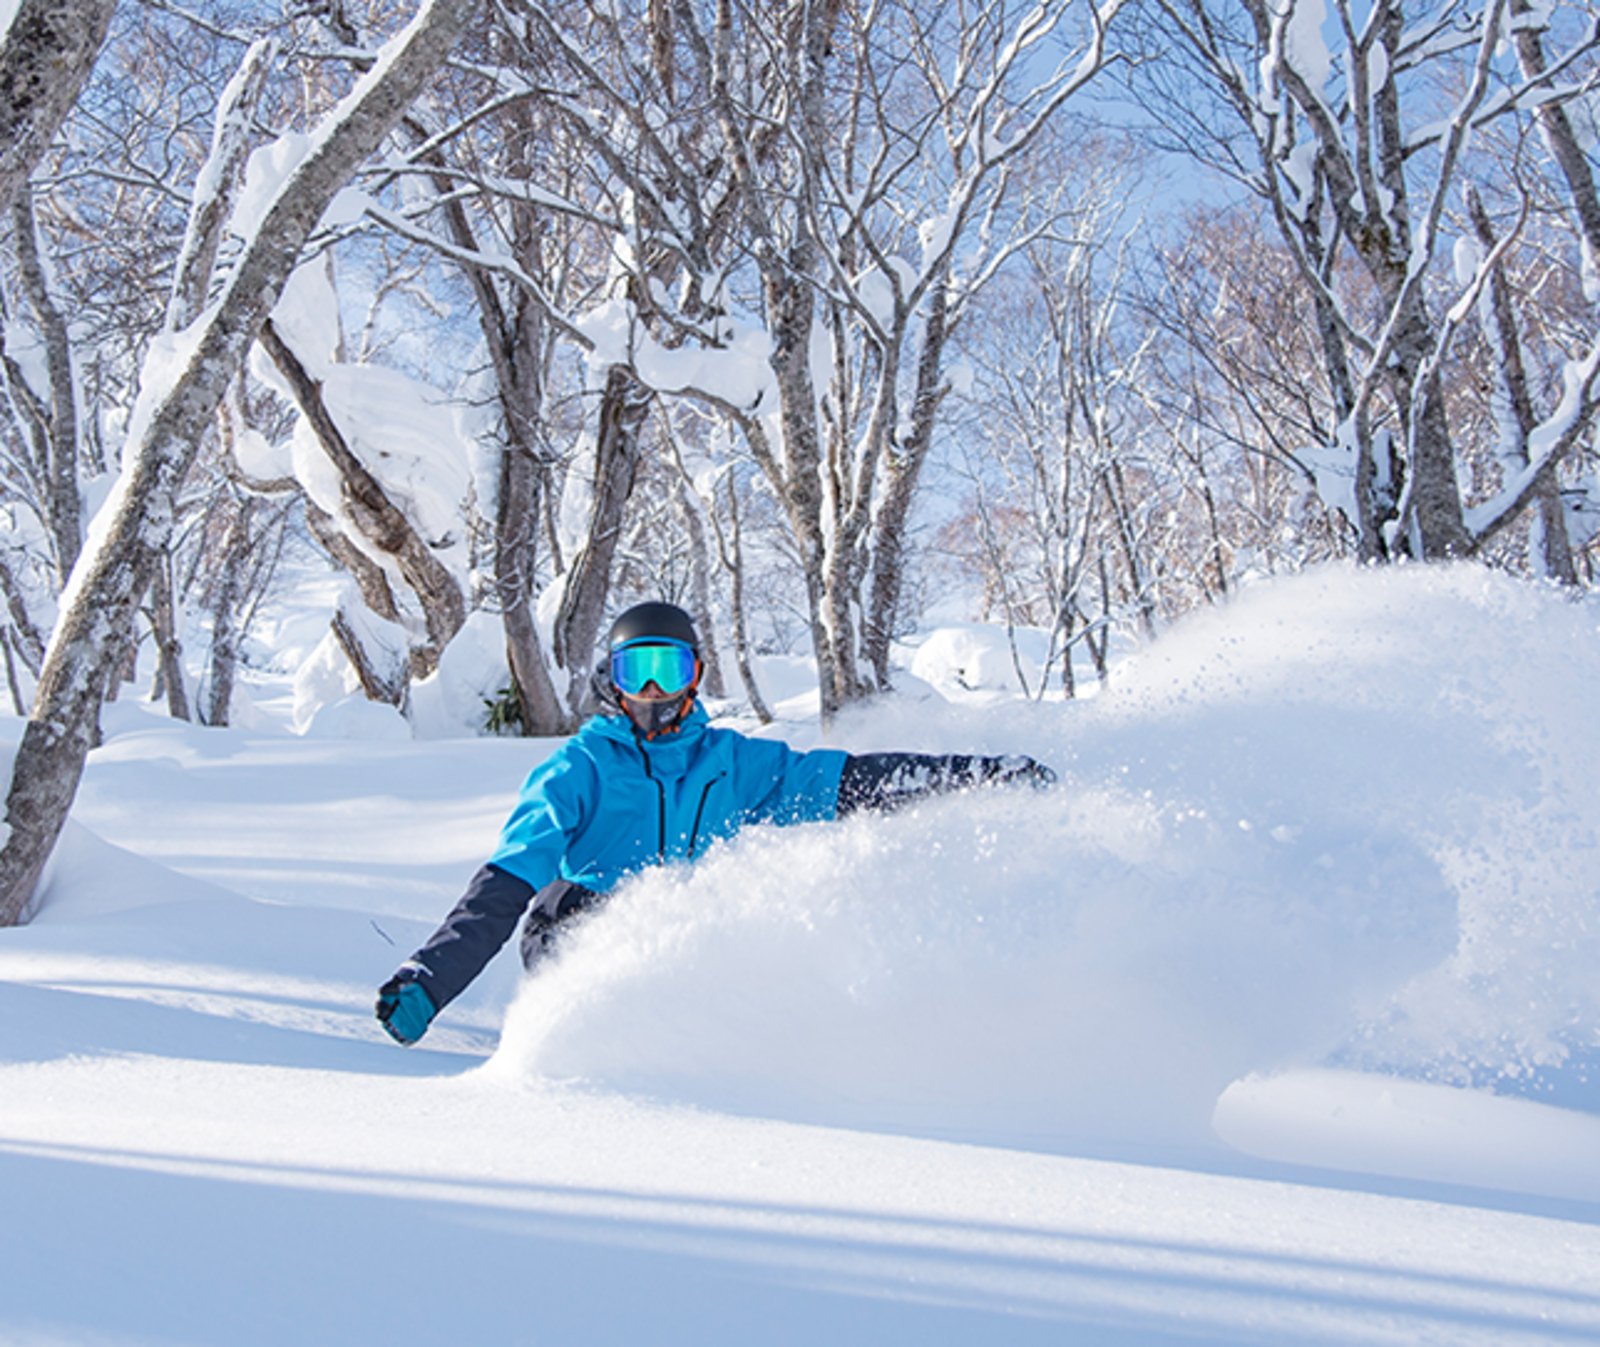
<point x="805" y="177"/>
<point x="173" y="413"/>
<point x="1349" y="149"/>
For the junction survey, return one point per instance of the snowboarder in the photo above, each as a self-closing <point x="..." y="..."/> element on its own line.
<point x="647" y="781"/>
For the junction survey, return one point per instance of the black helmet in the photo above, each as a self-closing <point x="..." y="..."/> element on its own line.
<point x="646" y="622"/>
<point x="664" y="621"/>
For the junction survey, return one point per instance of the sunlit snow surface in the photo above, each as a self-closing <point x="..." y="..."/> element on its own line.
<point x="1273" y="1022"/>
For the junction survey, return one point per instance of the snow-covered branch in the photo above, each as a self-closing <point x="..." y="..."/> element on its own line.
<point x="1551" y="441"/>
<point x="184" y="381"/>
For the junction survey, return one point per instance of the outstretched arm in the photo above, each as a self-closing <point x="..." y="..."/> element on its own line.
<point x="456" y="953"/>
<point x="531" y="845"/>
<point x="886" y="781"/>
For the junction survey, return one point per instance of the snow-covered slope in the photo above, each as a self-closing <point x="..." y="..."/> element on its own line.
<point x="1273" y="1023"/>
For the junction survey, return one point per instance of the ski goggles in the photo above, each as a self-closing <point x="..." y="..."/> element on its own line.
<point x="670" y="665"/>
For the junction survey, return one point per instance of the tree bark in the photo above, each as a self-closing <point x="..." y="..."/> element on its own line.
<point x="904" y="472"/>
<point x="29" y="643"/>
<point x="384" y="674"/>
<point x="731" y="549"/>
<point x="515" y="535"/>
<point x="371" y="579"/>
<point x="224" y="662"/>
<point x="700" y="589"/>
<point x="623" y="408"/>
<point x="1553" y="553"/>
<point x="45" y="58"/>
<point x="59" y="447"/>
<point x="1557" y="127"/>
<point x="515" y="333"/>
<point x="165" y="429"/>
<point x="170" y="680"/>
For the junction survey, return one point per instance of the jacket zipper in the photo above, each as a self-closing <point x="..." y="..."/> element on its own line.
<point x="699" y="813"/>
<point x="661" y="806"/>
<point x="661" y="810"/>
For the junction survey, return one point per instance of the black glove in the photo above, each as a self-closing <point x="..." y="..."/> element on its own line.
<point x="553" y="905"/>
<point x="1016" y="769"/>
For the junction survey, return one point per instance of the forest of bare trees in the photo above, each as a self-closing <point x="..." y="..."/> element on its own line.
<point x="795" y="313"/>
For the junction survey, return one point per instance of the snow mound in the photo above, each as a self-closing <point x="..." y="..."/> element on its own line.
<point x="1266" y="853"/>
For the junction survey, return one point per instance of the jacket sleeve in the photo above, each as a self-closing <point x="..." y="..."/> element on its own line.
<point x="882" y="782"/>
<point x="790" y="786"/>
<point x="555" y="800"/>
<point x="471" y="935"/>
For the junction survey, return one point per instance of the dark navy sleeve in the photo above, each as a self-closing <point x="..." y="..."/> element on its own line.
<point x="881" y="782"/>
<point x="471" y="935"/>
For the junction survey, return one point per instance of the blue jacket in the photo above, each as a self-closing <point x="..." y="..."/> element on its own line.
<point x="608" y="803"/>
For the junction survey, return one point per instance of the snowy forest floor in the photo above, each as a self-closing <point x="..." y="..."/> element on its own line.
<point x="1277" y="1021"/>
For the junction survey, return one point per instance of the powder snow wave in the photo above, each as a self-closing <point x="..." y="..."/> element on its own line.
<point x="1346" y="819"/>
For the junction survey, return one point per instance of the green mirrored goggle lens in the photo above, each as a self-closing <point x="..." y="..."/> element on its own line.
<point x="667" y="664"/>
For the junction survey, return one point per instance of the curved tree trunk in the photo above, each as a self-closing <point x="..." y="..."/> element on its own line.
<point x="166" y="427"/>
<point x="382" y="523"/>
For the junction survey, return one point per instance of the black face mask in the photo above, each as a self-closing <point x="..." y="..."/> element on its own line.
<point x="653" y="718"/>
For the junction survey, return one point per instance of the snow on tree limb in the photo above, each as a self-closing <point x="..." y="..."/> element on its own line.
<point x="216" y="182"/>
<point x="1549" y="443"/>
<point x="181" y="393"/>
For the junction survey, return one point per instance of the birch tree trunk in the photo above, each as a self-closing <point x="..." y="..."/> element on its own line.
<point x="166" y="426"/>
<point x="225" y="633"/>
<point x="515" y="330"/>
<point x="688" y="503"/>
<point x="730" y="548"/>
<point x="58" y="433"/>
<point x="382" y="523"/>
<point x="514" y="536"/>
<point x="170" y="681"/>
<point x="904" y="471"/>
<point x="1548" y="546"/>
<point x="45" y="57"/>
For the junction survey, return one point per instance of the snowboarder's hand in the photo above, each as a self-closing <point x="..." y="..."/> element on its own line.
<point x="404" y="1009"/>
<point x="1017" y="769"/>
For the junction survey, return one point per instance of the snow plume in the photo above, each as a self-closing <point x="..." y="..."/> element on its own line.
<point x="1089" y="968"/>
<point x="1267" y="851"/>
<point x="1448" y="707"/>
